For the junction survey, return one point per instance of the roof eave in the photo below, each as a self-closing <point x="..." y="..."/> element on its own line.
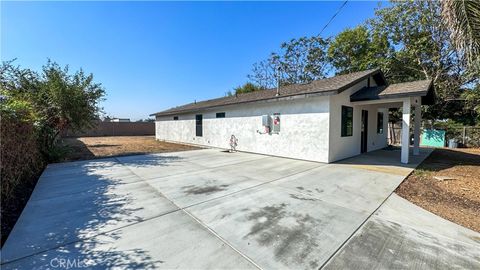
<point x="352" y="83"/>
<point x="392" y="96"/>
<point x="318" y="93"/>
<point x="403" y="95"/>
<point x="328" y="92"/>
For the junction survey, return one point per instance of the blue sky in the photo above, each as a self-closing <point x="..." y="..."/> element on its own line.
<point x="150" y="56"/>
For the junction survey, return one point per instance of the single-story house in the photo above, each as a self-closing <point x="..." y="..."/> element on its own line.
<point x="324" y="120"/>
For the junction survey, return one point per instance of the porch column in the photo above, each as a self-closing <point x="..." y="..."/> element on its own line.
<point x="416" y="131"/>
<point x="387" y="121"/>
<point x="405" y="130"/>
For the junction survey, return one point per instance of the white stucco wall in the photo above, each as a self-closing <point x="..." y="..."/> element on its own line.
<point x="304" y="128"/>
<point x="344" y="147"/>
<point x="310" y="127"/>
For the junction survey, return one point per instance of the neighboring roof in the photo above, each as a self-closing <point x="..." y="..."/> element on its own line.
<point x="408" y="89"/>
<point x="328" y="86"/>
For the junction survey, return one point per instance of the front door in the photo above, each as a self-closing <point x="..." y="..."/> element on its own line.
<point x="364" y="134"/>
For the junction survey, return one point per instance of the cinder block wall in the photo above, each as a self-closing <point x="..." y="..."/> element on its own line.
<point x="117" y="129"/>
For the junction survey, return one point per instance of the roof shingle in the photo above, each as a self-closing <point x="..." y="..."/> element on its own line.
<point x="398" y="90"/>
<point x="328" y="86"/>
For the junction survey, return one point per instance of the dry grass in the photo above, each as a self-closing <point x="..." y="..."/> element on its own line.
<point x="457" y="198"/>
<point x="96" y="147"/>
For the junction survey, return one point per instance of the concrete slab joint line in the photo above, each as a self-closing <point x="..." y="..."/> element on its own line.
<point x="403" y="235"/>
<point x="204" y="225"/>
<point x="256" y="212"/>
<point x="353" y="233"/>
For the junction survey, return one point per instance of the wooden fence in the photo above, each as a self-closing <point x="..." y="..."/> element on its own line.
<point x="117" y="129"/>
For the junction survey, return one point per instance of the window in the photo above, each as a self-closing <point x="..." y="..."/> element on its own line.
<point x="175" y="118"/>
<point x="347" y="121"/>
<point x="380" y="122"/>
<point x="199" y="125"/>
<point x="220" y="115"/>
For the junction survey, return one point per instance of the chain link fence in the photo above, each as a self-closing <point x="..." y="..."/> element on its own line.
<point x="466" y="136"/>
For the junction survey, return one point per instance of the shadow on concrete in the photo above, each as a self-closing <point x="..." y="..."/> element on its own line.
<point x="149" y="160"/>
<point x="80" y="200"/>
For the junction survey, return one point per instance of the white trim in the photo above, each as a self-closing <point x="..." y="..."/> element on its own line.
<point x="416" y="131"/>
<point x="405" y="129"/>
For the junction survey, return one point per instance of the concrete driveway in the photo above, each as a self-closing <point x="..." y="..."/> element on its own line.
<point x="205" y="209"/>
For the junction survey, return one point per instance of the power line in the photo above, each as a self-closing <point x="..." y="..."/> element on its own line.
<point x="333" y="17"/>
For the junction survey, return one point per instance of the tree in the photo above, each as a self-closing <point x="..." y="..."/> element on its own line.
<point x="423" y="50"/>
<point x="15" y="92"/>
<point x="472" y="101"/>
<point x="56" y="99"/>
<point x="146" y="120"/>
<point x="463" y="20"/>
<point x="408" y="40"/>
<point x="299" y="61"/>
<point x="246" y="88"/>
<point x="265" y="73"/>
<point x="359" y="49"/>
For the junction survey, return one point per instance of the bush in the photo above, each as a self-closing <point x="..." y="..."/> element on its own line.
<point x="35" y="109"/>
<point x="55" y="100"/>
<point x="21" y="160"/>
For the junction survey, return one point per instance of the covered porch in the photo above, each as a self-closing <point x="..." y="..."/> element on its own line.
<point x="388" y="160"/>
<point x="409" y="97"/>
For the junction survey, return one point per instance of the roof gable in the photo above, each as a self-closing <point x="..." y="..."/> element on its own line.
<point x="423" y="88"/>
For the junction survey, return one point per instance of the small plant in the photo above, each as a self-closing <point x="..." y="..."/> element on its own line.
<point x="421" y="173"/>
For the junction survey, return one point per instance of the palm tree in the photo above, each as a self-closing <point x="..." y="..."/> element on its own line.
<point x="462" y="17"/>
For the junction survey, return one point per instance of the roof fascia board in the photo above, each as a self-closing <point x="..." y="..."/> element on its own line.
<point x="394" y="96"/>
<point x="350" y="84"/>
<point x="265" y="100"/>
<point x="377" y="101"/>
<point x="319" y="93"/>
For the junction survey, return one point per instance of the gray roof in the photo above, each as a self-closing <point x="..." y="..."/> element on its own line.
<point x="328" y="86"/>
<point x="422" y="88"/>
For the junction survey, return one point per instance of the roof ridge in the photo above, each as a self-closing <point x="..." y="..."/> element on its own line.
<point x="326" y="85"/>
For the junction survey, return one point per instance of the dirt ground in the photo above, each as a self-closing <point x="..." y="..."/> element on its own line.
<point x="97" y="147"/>
<point x="447" y="184"/>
